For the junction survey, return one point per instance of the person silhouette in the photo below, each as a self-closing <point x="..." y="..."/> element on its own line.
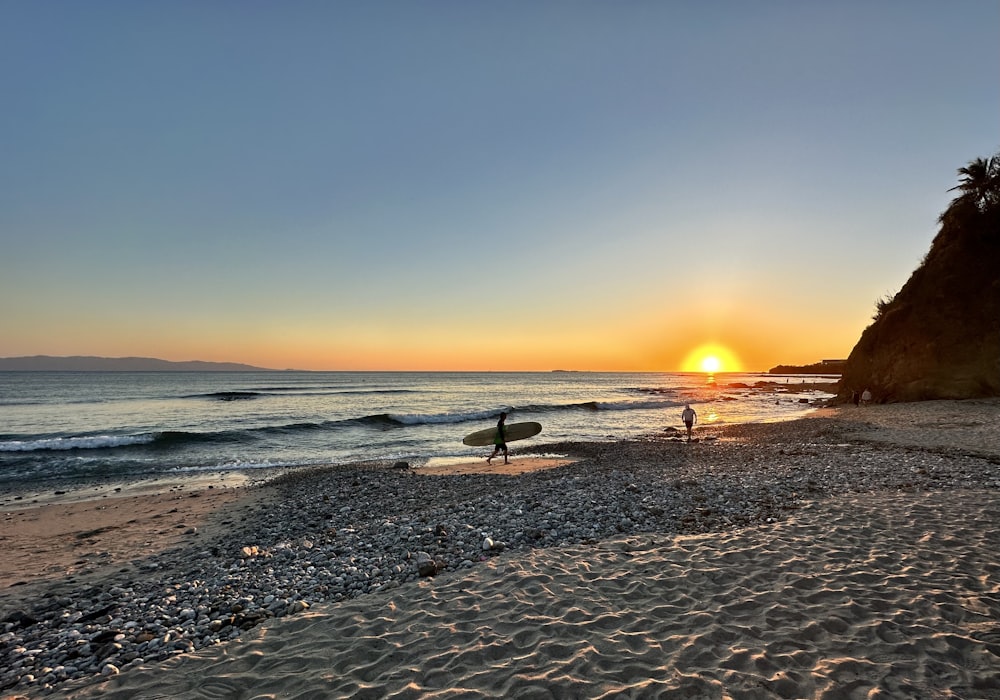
<point x="500" y="440"/>
<point x="689" y="417"/>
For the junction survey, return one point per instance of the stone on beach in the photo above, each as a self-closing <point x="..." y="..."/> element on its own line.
<point x="331" y="536"/>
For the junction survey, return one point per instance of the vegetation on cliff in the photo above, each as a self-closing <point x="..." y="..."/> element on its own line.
<point x="939" y="336"/>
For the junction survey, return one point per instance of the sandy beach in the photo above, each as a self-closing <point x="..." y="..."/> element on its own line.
<point x="517" y="466"/>
<point x="79" y="532"/>
<point x="850" y="555"/>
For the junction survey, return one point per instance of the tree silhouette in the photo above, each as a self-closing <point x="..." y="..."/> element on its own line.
<point x="979" y="186"/>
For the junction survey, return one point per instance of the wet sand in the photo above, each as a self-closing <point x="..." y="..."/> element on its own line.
<point x="863" y="595"/>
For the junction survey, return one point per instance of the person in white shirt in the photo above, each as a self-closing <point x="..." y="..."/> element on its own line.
<point x="690" y="418"/>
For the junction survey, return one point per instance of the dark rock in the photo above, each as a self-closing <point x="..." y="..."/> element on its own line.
<point x="90" y="617"/>
<point x="533" y="533"/>
<point x="109" y="649"/>
<point x="246" y="622"/>
<point x="104" y="636"/>
<point x="401" y="465"/>
<point x="939" y="337"/>
<point x="426" y="566"/>
<point x="20" y="619"/>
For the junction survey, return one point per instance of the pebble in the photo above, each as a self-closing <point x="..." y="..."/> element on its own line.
<point x="325" y="535"/>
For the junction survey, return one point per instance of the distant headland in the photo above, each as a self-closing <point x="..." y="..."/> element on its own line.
<point x="46" y="363"/>
<point x="821" y="367"/>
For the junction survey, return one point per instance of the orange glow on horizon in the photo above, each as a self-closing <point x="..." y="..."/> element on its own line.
<point x="439" y="348"/>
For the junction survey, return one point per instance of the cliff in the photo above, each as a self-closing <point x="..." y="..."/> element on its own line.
<point x="939" y="337"/>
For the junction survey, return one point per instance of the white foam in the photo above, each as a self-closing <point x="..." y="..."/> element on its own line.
<point x="444" y="418"/>
<point x="635" y="405"/>
<point x="90" y="442"/>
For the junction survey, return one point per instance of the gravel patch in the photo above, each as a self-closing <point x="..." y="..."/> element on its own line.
<point x="329" y="534"/>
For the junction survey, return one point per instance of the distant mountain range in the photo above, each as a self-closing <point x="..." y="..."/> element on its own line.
<point x="46" y="363"/>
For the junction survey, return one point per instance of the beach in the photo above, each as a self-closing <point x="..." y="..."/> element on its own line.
<point x="851" y="554"/>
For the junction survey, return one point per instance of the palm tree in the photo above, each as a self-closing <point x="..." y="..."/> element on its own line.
<point x="980" y="184"/>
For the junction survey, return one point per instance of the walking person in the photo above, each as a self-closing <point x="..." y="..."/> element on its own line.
<point x="500" y="441"/>
<point x="689" y="417"/>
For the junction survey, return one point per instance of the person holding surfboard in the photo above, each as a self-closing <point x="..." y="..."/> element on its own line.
<point x="689" y="417"/>
<point x="511" y="432"/>
<point x="500" y="440"/>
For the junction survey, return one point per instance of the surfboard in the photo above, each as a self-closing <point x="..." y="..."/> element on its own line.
<point x="515" y="431"/>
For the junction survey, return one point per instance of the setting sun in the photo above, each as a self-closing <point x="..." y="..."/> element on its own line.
<point x="711" y="358"/>
<point x="711" y="364"/>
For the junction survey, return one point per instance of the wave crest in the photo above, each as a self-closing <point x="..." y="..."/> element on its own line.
<point x="90" y="442"/>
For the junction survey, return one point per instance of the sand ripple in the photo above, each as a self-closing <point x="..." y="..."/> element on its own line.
<point x="868" y="597"/>
<point x="969" y="425"/>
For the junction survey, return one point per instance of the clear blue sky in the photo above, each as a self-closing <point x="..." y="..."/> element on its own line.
<point x="477" y="185"/>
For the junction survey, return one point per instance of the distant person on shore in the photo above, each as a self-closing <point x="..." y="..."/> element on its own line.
<point x="866" y="397"/>
<point x="690" y="418"/>
<point x="500" y="441"/>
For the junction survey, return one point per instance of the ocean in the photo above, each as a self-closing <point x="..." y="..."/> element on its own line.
<point x="107" y="425"/>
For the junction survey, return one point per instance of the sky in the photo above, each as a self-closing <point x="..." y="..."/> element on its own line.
<point x="455" y="185"/>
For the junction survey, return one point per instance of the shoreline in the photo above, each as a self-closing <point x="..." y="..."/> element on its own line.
<point x="205" y="430"/>
<point x="64" y="492"/>
<point x="87" y="534"/>
<point x="752" y="476"/>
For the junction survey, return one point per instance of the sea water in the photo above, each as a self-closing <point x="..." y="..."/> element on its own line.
<point x="81" y="425"/>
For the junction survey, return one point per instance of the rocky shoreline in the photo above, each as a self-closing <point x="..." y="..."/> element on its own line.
<point x="326" y="535"/>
